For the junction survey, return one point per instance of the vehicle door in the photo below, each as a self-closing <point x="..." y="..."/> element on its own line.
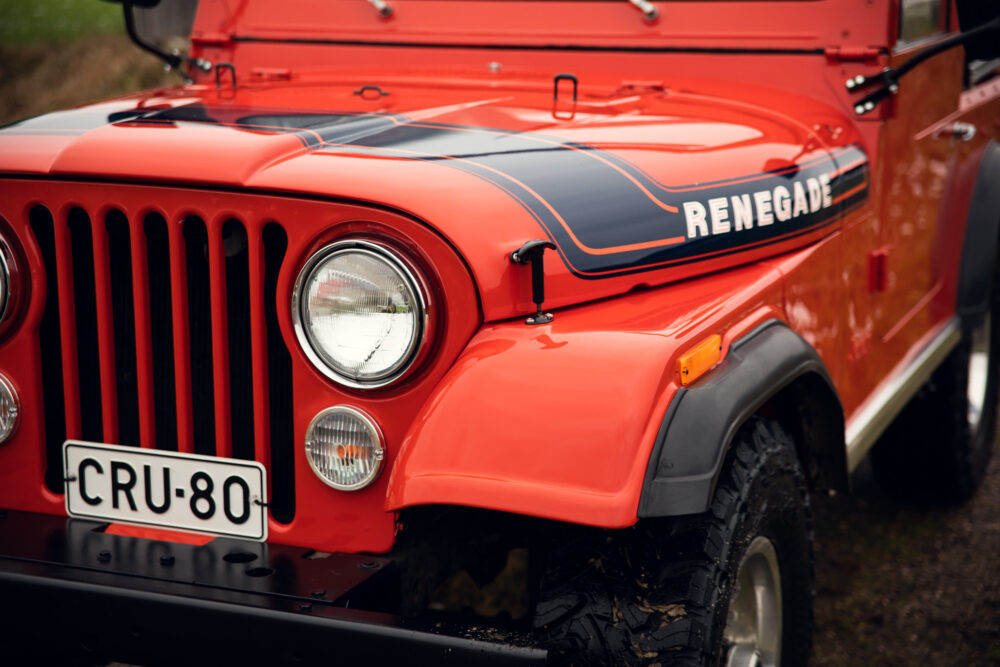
<point x="918" y="151"/>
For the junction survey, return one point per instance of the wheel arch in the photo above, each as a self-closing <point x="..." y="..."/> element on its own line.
<point x="980" y="243"/>
<point x="771" y="370"/>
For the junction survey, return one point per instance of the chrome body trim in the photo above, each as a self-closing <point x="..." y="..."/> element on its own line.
<point x="5" y="286"/>
<point x="871" y="420"/>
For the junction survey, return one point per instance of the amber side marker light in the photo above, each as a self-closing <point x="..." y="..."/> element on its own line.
<point x="699" y="360"/>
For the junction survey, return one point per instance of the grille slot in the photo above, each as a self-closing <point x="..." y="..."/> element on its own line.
<point x="161" y="331"/>
<point x="237" y="251"/>
<point x="280" y="373"/>
<point x="85" y="307"/>
<point x="165" y="335"/>
<point x="123" y="323"/>
<point x="52" y="364"/>
<point x="200" y="332"/>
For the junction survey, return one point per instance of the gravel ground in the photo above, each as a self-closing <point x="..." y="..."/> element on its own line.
<point x="901" y="585"/>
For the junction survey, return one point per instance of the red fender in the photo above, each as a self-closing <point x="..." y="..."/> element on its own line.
<point x="558" y="421"/>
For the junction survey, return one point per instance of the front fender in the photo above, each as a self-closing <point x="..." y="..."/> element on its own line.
<point x="558" y="421"/>
<point x="681" y="477"/>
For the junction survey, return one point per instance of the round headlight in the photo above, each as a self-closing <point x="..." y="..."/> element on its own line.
<point x="10" y="409"/>
<point x="345" y="448"/>
<point x="358" y="313"/>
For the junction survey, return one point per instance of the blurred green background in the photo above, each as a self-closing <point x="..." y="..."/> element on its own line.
<point x="27" y="22"/>
<point x="62" y="53"/>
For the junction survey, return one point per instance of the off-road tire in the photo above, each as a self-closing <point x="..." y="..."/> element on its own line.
<point x="930" y="454"/>
<point x="659" y="593"/>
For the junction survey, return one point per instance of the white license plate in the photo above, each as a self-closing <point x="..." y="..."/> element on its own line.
<point x="165" y="489"/>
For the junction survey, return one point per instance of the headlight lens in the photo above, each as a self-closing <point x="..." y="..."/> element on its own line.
<point x="345" y="448"/>
<point x="358" y="313"/>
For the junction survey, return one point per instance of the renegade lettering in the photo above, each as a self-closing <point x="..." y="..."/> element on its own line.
<point x="723" y="215"/>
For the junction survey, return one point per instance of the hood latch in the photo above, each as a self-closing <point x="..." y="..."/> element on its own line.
<point x="534" y="251"/>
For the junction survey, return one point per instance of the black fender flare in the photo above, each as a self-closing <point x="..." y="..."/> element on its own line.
<point x="979" y="247"/>
<point x="701" y="421"/>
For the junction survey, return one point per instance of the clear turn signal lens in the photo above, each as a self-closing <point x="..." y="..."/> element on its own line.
<point x="345" y="448"/>
<point x="10" y="409"/>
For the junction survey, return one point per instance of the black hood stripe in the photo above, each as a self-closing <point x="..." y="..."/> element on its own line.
<point x="606" y="215"/>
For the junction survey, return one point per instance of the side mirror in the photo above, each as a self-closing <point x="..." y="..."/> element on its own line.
<point x="173" y="60"/>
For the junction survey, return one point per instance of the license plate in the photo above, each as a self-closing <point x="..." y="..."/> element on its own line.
<point x="165" y="489"/>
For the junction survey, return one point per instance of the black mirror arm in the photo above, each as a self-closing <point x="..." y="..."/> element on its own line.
<point x="888" y="79"/>
<point x="173" y="60"/>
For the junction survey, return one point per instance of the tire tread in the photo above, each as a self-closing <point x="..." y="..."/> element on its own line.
<point x="657" y="592"/>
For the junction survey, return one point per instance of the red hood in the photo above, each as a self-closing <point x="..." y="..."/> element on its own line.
<point x="636" y="186"/>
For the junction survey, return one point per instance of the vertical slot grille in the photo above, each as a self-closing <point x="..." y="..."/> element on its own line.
<point x="85" y="304"/>
<point x="161" y="331"/>
<point x="123" y="322"/>
<point x="200" y="331"/>
<point x="236" y="245"/>
<point x="53" y="398"/>
<point x="113" y="306"/>
<point x="280" y="375"/>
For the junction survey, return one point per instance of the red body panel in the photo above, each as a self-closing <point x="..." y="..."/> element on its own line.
<point x="703" y="25"/>
<point x="581" y="450"/>
<point x="459" y="157"/>
<point x="668" y="138"/>
<point x="361" y="523"/>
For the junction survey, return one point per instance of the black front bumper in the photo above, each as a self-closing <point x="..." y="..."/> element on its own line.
<point x="69" y="591"/>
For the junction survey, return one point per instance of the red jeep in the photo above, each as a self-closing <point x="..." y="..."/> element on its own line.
<point x="400" y="302"/>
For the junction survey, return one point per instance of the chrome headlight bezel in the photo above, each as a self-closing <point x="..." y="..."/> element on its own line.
<point x="4" y="284"/>
<point x="15" y="291"/>
<point x="312" y="349"/>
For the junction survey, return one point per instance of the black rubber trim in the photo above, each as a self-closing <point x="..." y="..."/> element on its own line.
<point x="979" y="249"/>
<point x="702" y="419"/>
<point x="81" y="592"/>
<point x="529" y="47"/>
